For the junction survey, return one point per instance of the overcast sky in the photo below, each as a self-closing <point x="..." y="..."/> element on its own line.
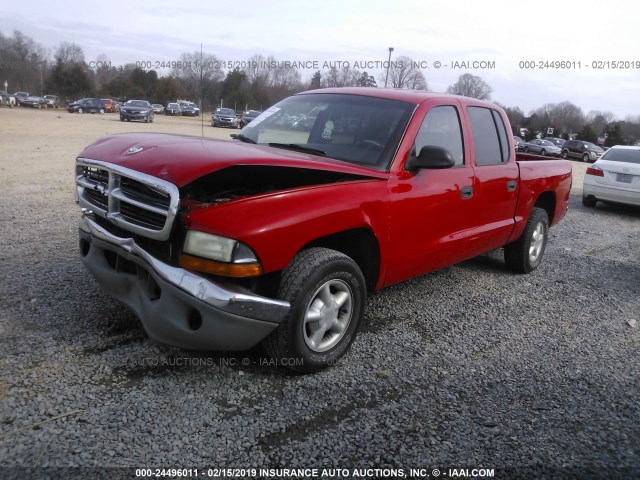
<point x="505" y="33"/>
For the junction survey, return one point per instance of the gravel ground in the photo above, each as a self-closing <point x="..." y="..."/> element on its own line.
<point x="534" y="375"/>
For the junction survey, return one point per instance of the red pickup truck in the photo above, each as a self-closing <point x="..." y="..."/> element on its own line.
<point x="278" y="236"/>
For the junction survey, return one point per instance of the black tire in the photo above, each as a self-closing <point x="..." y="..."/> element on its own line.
<point x="526" y="149"/>
<point x="589" y="201"/>
<point x="311" y="275"/>
<point x="585" y="157"/>
<point x="543" y="152"/>
<point x="524" y="255"/>
<point x="80" y="110"/>
<point x="151" y="119"/>
<point x="564" y="154"/>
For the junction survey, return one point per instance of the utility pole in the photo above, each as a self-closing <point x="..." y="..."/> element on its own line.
<point x="388" y="65"/>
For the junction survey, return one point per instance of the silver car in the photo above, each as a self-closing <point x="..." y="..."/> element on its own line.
<point x="542" y="147"/>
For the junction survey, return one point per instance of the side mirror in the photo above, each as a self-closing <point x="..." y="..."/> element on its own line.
<point x="430" y="157"/>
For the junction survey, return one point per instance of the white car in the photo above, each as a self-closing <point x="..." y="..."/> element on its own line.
<point x="614" y="177"/>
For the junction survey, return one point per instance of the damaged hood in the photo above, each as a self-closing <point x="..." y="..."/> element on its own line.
<point x="183" y="159"/>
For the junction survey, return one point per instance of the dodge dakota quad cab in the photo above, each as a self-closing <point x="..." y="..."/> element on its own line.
<point x="278" y="236"/>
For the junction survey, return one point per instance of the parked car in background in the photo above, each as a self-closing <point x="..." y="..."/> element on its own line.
<point x="224" y="117"/>
<point x="248" y="116"/>
<point x="585" y="151"/>
<point x="172" y="109"/>
<point x="7" y="99"/>
<point x="137" y="110"/>
<point x="157" y="108"/>
<point x="558" y="142"/>
<point x="21" y="96"/>
<point x="109" y="105"/>
<point x="542" y="147"/>
<point x="189" y="109"/>
<point x="34" y="102"/>
<point x="52" y="101"/>
<point x="614" y="177"/>
<point x="87" y="105"/>
<point x="518" y="143"/>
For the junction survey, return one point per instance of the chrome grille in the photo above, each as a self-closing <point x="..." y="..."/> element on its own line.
<point x="132" y="200"/>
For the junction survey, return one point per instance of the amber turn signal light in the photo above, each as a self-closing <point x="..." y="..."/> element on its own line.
<point x="238" y="270"/>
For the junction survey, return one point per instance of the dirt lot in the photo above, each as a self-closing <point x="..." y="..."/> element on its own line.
<point x="469" y="367"/>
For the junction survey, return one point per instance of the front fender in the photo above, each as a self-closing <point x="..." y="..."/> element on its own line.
<point x="276" y="226"/>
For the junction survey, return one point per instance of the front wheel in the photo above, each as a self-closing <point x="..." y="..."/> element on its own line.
<point x="524" y="255"/>
<point x="526" y="149"/>
<point x="585" y="157"/>
<point x="327" y="293"/>
<point x="565" y="154"/>
<point x="80" y="110"/>
<point x="543" y="152"/>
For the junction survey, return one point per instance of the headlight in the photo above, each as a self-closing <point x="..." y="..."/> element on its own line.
<point x="217" y="255"/>
<point x="210" y="246"/>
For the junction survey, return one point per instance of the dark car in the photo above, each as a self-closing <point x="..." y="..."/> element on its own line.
<point x="248" y="116"/>
<point x="20" y="96"/>
<point x="52" y="101"/>
<point x="189" y="109"/>
<point x="585" y="151"/>
<point x="87" y="105"/>
<point x="172" y="109"/>
<point x="136" y="110"/>
<point x="224" y="117"/>
<point x="558" y="142"/>
<point x="34" y="102"/>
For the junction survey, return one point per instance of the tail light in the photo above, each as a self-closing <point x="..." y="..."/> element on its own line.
<point x="595" y="171"/>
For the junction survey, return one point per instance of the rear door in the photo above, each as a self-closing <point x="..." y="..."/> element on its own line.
<point x="497" y="178"/>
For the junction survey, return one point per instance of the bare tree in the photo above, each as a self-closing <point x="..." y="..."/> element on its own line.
<point x="471" y="86"/>
<point x="341" y="77"/>
<point x="567" y="116"/>
<point x="600" y="120"/>
<point x="69" y="54"/>
<point x="199" y="74"/>
<point x="403" y="74"/>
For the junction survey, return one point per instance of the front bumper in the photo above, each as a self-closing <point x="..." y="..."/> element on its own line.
<point x="175" y="306"/>
<point x="135" y="115"/>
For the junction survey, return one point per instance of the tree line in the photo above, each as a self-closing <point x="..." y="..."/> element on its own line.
<point x="261" y="82"/>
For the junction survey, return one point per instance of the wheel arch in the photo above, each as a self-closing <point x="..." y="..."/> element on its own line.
<point x="547" y="201"/>
<point x="361" y="245"/>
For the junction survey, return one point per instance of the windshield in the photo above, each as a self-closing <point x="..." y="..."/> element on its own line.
<point x="136" y="103"/>
<point x="353" y="128"/>
<point x="225" y="111"/>
<point x="547" y="143"/>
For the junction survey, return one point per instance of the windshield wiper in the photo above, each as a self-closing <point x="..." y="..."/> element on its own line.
<point x="241" y="137"/>
<point x="299" y="148"/>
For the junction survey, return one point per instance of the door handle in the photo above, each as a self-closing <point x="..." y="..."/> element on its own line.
<point x="466" y="192"/>
<point x="511" y="185"/>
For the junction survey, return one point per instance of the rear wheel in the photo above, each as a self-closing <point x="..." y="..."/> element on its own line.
<point x="524" y="255"/>
<point x="526" y="149"/>
<point x="543" y="152"/>
<point x="565" y="154"/>
<point x="589" y="200"/>
<point x="327" y="293"/>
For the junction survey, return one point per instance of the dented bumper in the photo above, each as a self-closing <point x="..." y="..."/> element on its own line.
<point x="175" y="306"/>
